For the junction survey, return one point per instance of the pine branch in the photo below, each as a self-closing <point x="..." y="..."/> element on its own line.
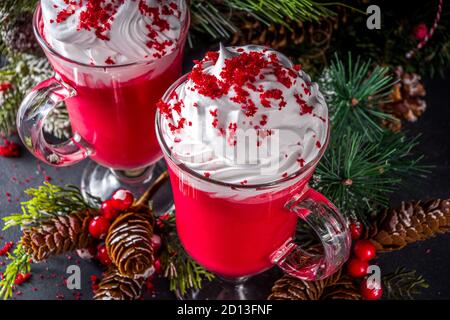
<point x="277" y="10"/>
<point x="21" y="73"/>
<point x="16" y="7"/>
<point x="403" y="284"/>
<point x="47" y="201"/>
<point x="354" y="93"/>
<point x="183" y="272"/>
<point x="359" y="175"/>
<point x="20" y="264"/>
<point x="219" y="19"/>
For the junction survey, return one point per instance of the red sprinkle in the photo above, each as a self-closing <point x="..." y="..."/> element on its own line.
<point x="304" y="107"/>
<point x="109" y="61"/>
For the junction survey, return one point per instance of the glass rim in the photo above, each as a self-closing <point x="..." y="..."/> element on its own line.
<point x="166" y="150"/>
<point x="36" y="18"/>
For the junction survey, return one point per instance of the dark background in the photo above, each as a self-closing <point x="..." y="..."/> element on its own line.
<point x="430" y="258"/>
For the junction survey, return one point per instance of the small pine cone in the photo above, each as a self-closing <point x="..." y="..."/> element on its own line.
<point x="336" y="286"/>
<point x="114" y="286"/>
<point x="406" y="99"/>
<point x="58" y="235"/>
<point x="412" y="221"/>
<point x="129" y="244"/>
<point x="278" y="37"/>
<point x="343" y="289"/>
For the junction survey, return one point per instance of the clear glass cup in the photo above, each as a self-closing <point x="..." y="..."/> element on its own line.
<point x="111" y="112"/>
<point x="237" y="231"/>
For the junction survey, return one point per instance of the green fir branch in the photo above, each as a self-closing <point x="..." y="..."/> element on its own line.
<point x="20" y="263"/>
<point x="403" y="284"/>
<point x="220" y="19"/>
<point x="354" y="92"/>
<point x="17" y="7"/>
<point x="360" y="175"/>
<point x="46" y="202"/>
<point x="183" y="272"/>
<point x="21" y="72"/>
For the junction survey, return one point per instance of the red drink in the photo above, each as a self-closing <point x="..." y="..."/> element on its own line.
<point x="234" y="227"/>
<point x="117" y="119"/>
<point x="114" y="107"/>
<point x="232" y="238"/>
<point x="110" y="101"/>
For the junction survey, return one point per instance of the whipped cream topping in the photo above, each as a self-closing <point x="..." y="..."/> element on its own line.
<point x="108" y="32"/>
<point x="245" y="116"/>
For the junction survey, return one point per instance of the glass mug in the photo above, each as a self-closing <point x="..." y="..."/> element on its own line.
<point x="245" y="234"/>
<point x="111" y="111"/>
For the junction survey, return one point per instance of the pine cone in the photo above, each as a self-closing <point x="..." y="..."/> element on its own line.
<point x="58" y="235"/>
<point x="17" y="33"/>
<point x="278" y="37"/>
<point x="114" y="286"/>
<point x="412" y="221"/>
<point x="337" y="286"/>
<point x="407" y="101"/>
<point x="129" y="244"/>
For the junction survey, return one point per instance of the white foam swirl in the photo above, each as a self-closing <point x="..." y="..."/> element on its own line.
<point x="202" y="147"/>
<point x="128" y="34"/>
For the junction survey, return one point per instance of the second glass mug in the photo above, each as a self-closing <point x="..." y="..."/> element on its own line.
<point x="240" y="235"/>
<point x="111" y="111"/>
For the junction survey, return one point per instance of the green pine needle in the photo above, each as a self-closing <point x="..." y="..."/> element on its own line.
<point x="22" y="72"/>
<point x="359" y="175"/>
<point x="183" y="272"/>
<point x="217" y="18"/>
<point x="47" y="201"/>
<point x="403" y="284"/>
<point x="20" y="264"/>
<point x="355" y="92"/>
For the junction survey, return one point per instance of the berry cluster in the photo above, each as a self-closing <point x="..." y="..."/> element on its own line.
<point x="357" y="266"/>
<point x="110" y="209"/>
<point x="121" y="201"/>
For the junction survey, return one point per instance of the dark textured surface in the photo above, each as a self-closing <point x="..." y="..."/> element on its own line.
<point x="430" y="258"/>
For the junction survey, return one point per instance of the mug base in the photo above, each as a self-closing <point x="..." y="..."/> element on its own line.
<point x="101" y="182"/>
<point x="246" y="288"/>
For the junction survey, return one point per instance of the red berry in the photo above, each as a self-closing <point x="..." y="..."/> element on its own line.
<point x="364" y="250"/>
<point x="371" y="290"/>
<point x="357" y="268"/>
<point x="109" y="209"/>
<point x="102" y="255"/>
<point x="157" y="266"/>
<point x="420" y="31"/>
<point x="355" y="230"/>
<point x="156" y="242"/>
<point x="123" y="199"/>
<point x="98" y="227"/>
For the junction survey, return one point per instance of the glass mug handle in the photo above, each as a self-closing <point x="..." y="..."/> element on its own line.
<point x="331" y="228"/>
<point x="30" y="122"/>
